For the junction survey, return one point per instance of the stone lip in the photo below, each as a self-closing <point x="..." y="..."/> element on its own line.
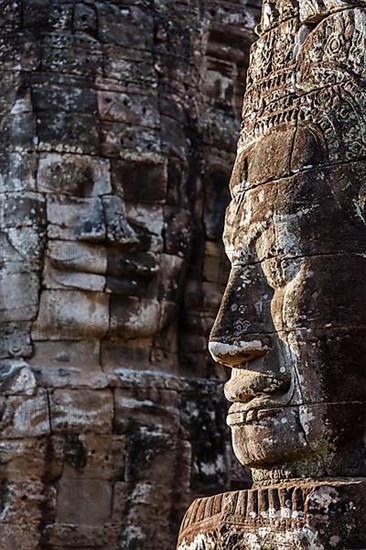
<point x="325" y="513"/>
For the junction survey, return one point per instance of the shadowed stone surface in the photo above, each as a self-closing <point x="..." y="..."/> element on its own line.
<point x="291" y="325"/>
<point x="118" y="122"/>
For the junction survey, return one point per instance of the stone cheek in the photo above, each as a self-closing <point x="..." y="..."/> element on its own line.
<point x="118" y="127"/>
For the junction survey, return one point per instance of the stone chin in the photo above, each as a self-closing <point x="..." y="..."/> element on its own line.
<point x="302" y="438"/>
<point x="268" y="437"/>
<point x="288" y="436"/>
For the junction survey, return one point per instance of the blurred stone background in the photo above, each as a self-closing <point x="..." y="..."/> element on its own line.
<point x="119" y="123"/>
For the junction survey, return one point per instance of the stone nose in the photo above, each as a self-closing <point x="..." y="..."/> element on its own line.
<point x="243" y="325"/>
<point x="92" y="226"/>
<point x="238" y="353"/>
<point x="105" y="221"/>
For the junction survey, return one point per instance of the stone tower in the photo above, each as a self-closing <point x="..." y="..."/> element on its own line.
<point x="291" y="325"/>
<point x="118" y="122"/>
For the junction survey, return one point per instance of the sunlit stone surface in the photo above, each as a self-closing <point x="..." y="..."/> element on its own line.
<point x="292" y="320"/>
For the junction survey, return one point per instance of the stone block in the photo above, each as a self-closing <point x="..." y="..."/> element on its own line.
<point x="10" y="18"/>
<point x="75" y="54"/>
<point x="122" y="26"/>
<point x="25" y="416"/>
<point x="22" y="460"/>
<point x="212" y="296"/>
<point x="70" y="133"/>
<point x="16" y="378"/>
<point x="133" y="317"/>
<point x="74" y="99"/>
<point x="19" y="131"/>
<point x="66" y="214"/>
<point x="20" y="52"/>
<point x="121" y="491"/>
<point x="76" y="175"/>
<point x="78" y="412"/>
<point x="10" y="83"/>
<point x="85" y="18"/>
<point x="77" y="257"/>
<point x="56" y="279"/>
<point x="127" y="141"/>
<point x="68" y="364"/>
<point x="154" y="409"/>
<point x="133" y="273"/>
<point x="82" y="500"/>
<point x="105" y="458"/>
<point x="17" y="305"/>
<point x="47" y="15"/>
<point x="178" y="231"/>
<point x="129" y="68"/>
<point x="116" y="357"/>
<point x="172" y="274"/>
<point x="18" y="171"/>
<point x="150" y="218"/>
<point x="82" y="536"/>
<point x="140" y="182"/>
<point x="12" y="535"/>
<point x="216" y="265"/>
<point x="173" y="138"/>
<point x="21" y="249"/>
<point x="71" y="315"/>
<point x="23" y="499"/>
<point x="126" y="108"/>
<point x="15" y="340"/>
<point x="22" y="210"/>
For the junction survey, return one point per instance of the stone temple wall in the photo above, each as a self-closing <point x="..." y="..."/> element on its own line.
<point x="119" y="122"/>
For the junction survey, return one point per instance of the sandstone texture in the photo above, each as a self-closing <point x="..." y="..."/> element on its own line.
<point x="119" y="122"/>
<point x="291" y="325"/>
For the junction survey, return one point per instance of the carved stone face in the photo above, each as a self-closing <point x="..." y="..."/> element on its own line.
<point x="101" y="274"/>
<point x="101" y="270"/>
<point x="292" y="321"/>
<point x="93" y="241"/>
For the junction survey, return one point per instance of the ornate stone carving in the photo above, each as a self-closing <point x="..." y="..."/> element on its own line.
<point x="292" y="320"/>
<point x="299" y="514"/>
<point x="117" y="137"/>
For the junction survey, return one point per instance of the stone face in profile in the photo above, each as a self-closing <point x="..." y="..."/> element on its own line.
<point x="292" y="320"/>
<point x="116" y="144"/>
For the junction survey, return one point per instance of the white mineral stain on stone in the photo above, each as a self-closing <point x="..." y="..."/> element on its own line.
<point x="141" y="493"/>
<point x="218" y="349"/>
<point x="214" y="467"/>
<point x="200" y="542"/>
<point x="306" y="417"/>
<point x="323" y="498"/>
<point x="143" y="321"/>
<point x="253" y="541"/>
<point x="334" y="541"/>
<point x="359" y="211"/>
<point x="310" y="537"/>
<point x="132" y="533"/>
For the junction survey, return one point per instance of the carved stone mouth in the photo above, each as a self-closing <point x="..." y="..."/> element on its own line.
<point x="251" y="416"/>
<point x="123" y="269"/>
<point x="259" y="408"/>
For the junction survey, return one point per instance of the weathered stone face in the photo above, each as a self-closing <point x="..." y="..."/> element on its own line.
<point x="292" y="321"/>
<point x="100" y="273"/>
